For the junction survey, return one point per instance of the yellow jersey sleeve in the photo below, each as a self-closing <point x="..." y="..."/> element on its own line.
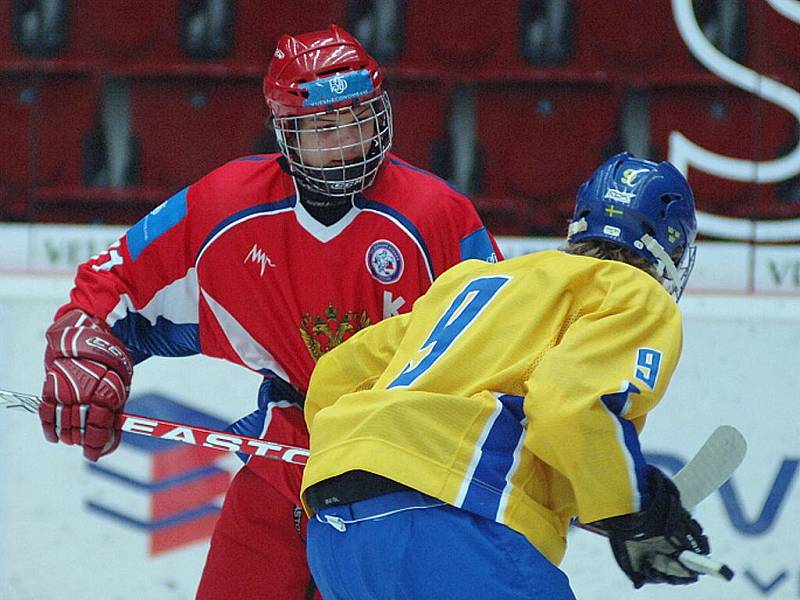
<point x="354" y="366"/>
<point x="587" y="399"/>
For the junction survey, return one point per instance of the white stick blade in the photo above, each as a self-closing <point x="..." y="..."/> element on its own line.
<point x="712" y="466"/>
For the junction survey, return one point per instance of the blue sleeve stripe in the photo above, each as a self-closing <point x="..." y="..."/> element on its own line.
<point x="156" y="223"/>
<point x="404" y="222"/>
<point x="477" y="245"/>
<point x="273" y="392"/>
<point x="252" y="211"/>
<point x="617" y="403"/>
<point x="165" y="338"/>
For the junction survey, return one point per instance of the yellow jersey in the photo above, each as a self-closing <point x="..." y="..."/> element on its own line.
<point x="515" y="390"/>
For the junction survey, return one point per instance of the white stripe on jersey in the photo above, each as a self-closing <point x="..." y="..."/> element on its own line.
<point x="250" y="352"/>
<point x="176" y="302"/>
<point x="476" y="457"/>
<point x="620" y="434"/>
<point x="208" y="243"/>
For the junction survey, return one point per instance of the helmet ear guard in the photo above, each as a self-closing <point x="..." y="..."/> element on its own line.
<point x="644" y="206"/>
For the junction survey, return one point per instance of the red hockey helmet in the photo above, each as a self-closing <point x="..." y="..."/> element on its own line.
<point x="332" y="121"/>
<point x="300" y="61"/>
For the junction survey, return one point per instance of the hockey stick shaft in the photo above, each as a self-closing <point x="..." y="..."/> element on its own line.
<point x="179" y="432"/>
<point x="705" y="565"/>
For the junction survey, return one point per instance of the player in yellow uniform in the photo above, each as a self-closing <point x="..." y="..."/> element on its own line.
<point x="451" y="446"/>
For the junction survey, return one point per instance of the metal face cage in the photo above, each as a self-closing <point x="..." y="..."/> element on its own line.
<point x="337" y="152"/>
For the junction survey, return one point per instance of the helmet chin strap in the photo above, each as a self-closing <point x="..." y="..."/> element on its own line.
<point x="351" y="174"/>
<point x="325" y="209"/>
<point x="311" y="198"/>
<point x="672" y="280"/>
<point x="577" y="227"/>
<point x="316" y="199"/>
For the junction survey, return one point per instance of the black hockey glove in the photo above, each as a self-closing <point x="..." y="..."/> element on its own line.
<point x="646" y="544"/>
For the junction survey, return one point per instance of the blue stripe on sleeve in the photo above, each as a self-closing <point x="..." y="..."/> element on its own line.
<point x="156" y="223"/>
<point x="616" y="403"/>
<point x="165" y="338"/>
<point x="478" y="245"/>
<point x="273" y="391"/>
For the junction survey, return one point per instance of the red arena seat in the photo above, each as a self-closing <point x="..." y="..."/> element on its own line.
<point x="29" y="31"/>
<point x="472" y="38"/>
<point x="775" y="40"/>
<point x="726" y="121"/>
<point x="419" y="109"/>
<point x="185" y="128"/>
<point x="44" y="121"/>
<point x="259" y="25"/>
<point x="539" y="142"/>
<point x="635" y="38"/>
<point x="131" y="33"/>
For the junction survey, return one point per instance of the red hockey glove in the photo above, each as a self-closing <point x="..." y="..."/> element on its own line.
<point x="87" y="380"/>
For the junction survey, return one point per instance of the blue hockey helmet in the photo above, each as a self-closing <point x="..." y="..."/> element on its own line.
<point x="644" y="206"/>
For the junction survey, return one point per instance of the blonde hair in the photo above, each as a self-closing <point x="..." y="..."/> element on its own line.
<point x="606" y="250"/>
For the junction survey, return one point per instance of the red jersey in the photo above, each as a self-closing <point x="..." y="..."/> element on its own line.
<point x="234" y="267"/>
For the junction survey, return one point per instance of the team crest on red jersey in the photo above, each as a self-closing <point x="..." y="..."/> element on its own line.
<point x="384" y="261"/>
<point x="323" y="333"/>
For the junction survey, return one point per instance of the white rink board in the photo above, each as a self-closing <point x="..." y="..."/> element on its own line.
<point x="739" y="367"/>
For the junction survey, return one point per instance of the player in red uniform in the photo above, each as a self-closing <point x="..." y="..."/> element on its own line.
<point x="268" y="262"/>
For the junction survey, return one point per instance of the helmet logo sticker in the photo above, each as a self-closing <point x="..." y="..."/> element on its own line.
<point x="629" y="175"/>
<point x="338" y="85"/>
<point x="673" y="234"/>
<point x="612" y="231"/>
<point x="384" y="261"/>
<point x="330" y="90"/>
<point x="279" y="53"/>
<point x="612" y="211"/>
<point x="619" y="195"/>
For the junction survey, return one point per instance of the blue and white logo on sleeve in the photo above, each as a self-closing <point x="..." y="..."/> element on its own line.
<point x="156" y="223"/>
<point x="385" y="261"/>
<point x="338" y="88"/>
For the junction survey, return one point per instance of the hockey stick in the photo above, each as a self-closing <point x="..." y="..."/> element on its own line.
<point x="179" y="432"/>
<point x="713" y="465"/>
